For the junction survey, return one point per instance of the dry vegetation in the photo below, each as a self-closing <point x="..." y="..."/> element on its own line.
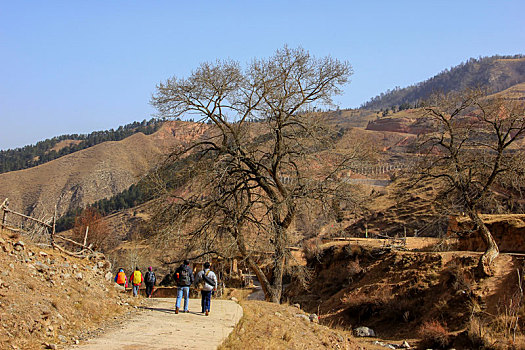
<point x="272" y="326"/>
<point x="436" y="299"/>
<point x="50" y="298"/>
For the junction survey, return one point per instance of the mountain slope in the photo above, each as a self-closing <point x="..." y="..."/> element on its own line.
<point x="496" y="73"/>
<point x="86" y="176"/>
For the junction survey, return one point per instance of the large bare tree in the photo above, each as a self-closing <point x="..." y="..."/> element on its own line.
<point x="256" y="162"/>
<point x="471" y="143"/>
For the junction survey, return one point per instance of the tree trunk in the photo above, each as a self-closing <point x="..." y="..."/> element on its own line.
<point x="265" y="284"/>
<point x="486" y="261"/>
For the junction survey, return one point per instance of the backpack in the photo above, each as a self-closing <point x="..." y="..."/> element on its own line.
<point x="184" y="277"/>
<point x="150" y="278"/>
<point x="137" y="277"/>
<point x="205" y="280"/>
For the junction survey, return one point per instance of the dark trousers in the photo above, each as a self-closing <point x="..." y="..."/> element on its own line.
<point x="149" y="289"/>
<point x="206" y="300"/>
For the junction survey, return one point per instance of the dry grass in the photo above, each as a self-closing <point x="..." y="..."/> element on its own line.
<point x="272" y="326"/>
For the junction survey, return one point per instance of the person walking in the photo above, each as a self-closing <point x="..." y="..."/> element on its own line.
<point x="136" y="279"/>
<point x="184" y="278"/>
<point x="209" y="285"/>
<point x="150" y="281"/>
<point x="121" y="279"/>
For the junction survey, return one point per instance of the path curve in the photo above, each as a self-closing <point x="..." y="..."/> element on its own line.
<point x="158" y="327"/>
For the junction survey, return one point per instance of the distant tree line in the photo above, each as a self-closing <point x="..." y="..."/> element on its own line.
<point x="33" y="155"/>
<point x="474" y="73"/>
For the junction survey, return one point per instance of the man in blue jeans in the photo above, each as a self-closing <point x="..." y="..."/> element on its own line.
<point x="210" y="284"/>
<point x="184" y="278"/>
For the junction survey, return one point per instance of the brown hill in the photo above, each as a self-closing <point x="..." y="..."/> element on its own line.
<point x="86" y="176"/>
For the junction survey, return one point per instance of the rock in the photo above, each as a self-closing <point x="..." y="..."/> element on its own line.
<point x="62" y="339"/>
<point x="108" y="276"/>
<point x="297" y="306"/>
<point x="303" y="316"/>
<point x="79" y="276"/>
<point x="44" y="254"/>
<point x="119" y="288"/>
<point x="314" y="318"/>
<point x="41" y="267"/>
<point x="278" y="314"/>
<point x="234" y="299"/>
<point x="405" y="345"/>
<point x="74" y="266"/>
<point x="364" y="332"/>
<point x="12" y="266"/>
<point x="19" y="245"/>
<point x="50" y="346"/>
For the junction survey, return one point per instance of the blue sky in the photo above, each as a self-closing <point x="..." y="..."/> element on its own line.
<point x="80" y="66"/>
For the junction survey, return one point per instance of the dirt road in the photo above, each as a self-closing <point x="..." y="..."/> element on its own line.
<point x="158" y="327"/>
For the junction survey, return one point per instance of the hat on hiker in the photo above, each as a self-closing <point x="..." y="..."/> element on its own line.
<point x="150" y="268"/>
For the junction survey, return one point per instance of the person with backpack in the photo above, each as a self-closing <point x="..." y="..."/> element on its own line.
<point x="121" y="279"/>
<point x="136" y="279"/>
<point x="184" y="279"/>
<point x="208" y="279"/>
<point x="150" y="281"/>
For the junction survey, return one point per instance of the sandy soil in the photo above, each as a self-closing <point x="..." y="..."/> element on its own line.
<point x="158" y="327"/>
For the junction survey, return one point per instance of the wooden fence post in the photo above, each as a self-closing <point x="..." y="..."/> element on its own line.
<point x="4" y="215"/>
<point x="53" y="228"/>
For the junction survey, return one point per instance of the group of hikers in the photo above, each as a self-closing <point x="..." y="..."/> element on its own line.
<point x="205" y="280"/>
<point x="136" y="279"/>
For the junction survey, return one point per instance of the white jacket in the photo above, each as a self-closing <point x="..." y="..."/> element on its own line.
<point x="209" y="275"/>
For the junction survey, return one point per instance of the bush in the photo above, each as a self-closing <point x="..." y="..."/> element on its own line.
<point x="434" y="334"/>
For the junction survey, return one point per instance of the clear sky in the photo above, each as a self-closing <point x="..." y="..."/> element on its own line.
<point x="80" y="66"/>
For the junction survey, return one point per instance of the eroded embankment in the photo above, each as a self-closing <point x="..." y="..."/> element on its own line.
<point x="395" y="293"/>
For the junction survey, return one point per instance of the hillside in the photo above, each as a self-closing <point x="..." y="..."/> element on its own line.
<point x="434" y="298"/>
<point x="59" y="146"/>
<point x="495" y="73"/>
<point x="50" y="298"/>
<point x="83" y="177"/>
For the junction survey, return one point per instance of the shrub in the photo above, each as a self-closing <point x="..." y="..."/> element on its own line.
<point x="434" y="334"/>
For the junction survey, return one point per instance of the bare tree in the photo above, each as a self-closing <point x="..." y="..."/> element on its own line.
<point x="91" y="227"/>
<point x="256" y="162"/>
<point x="470" y="144"/>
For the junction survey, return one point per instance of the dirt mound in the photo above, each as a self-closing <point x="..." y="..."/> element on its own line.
<point x="50" y="298"/>
<point x="272" y="326"/>
<point x="395" y="293"/>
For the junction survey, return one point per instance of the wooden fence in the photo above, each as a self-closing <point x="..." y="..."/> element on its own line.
<point x="47" y="227"/>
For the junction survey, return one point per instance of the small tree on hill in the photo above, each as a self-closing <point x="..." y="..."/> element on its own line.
<point x="251" y="169"/>
<point x="91" y="221"/>
<point x="470" y="144"/>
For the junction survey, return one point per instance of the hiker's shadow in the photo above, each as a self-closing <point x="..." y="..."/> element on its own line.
<point x="168" y="311"/>
<point x="160" y="309"/>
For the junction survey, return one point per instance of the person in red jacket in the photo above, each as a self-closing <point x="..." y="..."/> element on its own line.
<point x="136" y="279"/>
